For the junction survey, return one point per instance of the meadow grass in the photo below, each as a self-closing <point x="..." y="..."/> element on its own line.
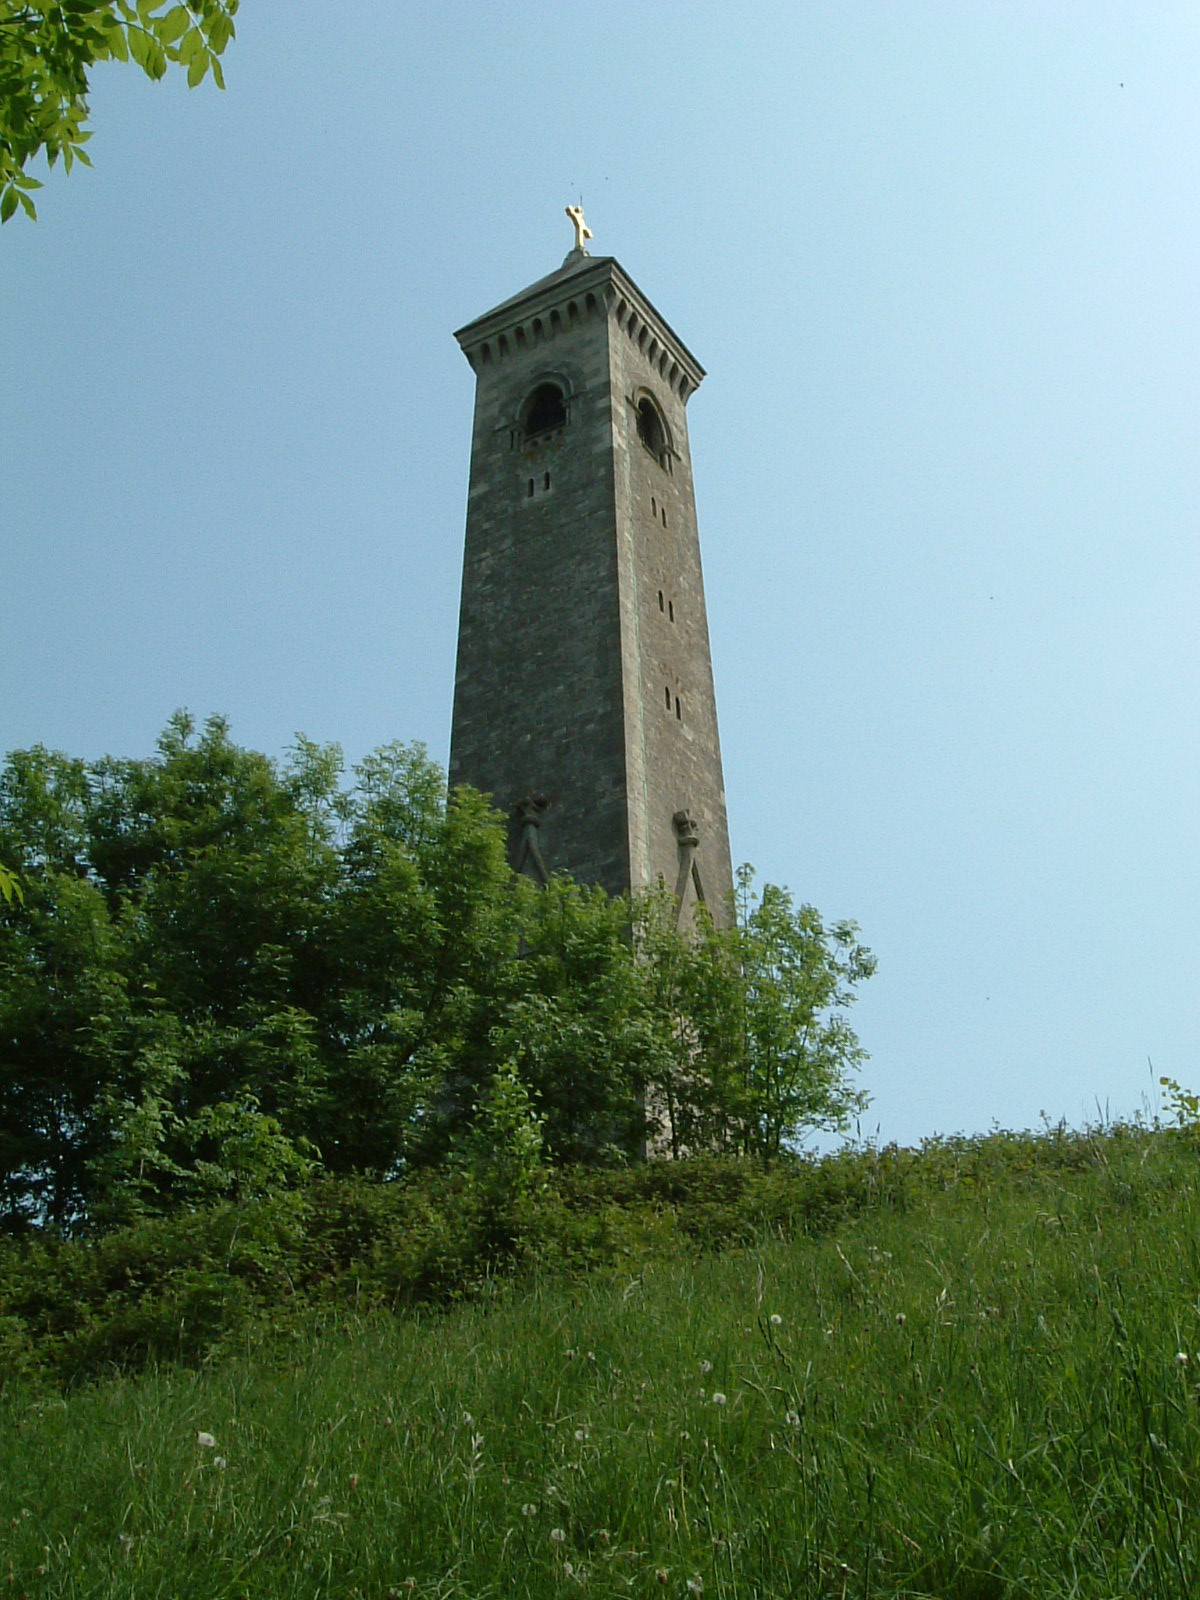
<point x="990" y="1391"/>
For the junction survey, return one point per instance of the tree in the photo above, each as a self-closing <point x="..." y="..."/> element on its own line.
<point x="48" y="51"/>
<point x="166" y="963"/>
<point x="778" y="1034"/>
<point x="224" y="970"/>
<point x="582" y="1024"/>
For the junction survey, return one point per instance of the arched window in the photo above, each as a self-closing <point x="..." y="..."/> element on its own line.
<point x="544" y="411"/>
<point x="652" y="430"/>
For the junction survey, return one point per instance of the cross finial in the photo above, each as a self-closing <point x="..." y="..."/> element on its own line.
<point x="582" y="231"/>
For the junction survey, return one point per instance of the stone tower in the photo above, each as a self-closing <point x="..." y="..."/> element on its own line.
<point x="583" y="696"/>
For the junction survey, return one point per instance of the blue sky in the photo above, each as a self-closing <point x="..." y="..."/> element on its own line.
<point x="941" y="263"/>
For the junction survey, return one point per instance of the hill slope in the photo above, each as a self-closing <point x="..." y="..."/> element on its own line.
<point x="978" y="1380"/>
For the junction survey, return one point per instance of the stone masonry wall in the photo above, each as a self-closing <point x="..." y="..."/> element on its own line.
<point x="582" y="618"/>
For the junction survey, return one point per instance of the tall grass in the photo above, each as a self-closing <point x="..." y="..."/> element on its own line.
<point x="987" y="1391"/>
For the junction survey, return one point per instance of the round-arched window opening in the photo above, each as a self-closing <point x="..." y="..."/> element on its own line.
<point x="544" y="411"/>
<point x="650" y="429"/>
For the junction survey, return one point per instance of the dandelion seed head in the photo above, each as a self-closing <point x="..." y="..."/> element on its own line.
<point x="776" y="1322"/>
<point x="792" y="1419"/>
<point x="718" y="1398"/>
<point x="580" y="1435"/>
<point x="1181" y="1358"/>
<point x="529" y="1509"/>
<point x="220" y="1463"/>
<point x="206" y="1441"/>
<point x="558" y="1536"/>
<point x="706" y="1366"/>
<point x="695" y="1585"/>
<point x="901" y="1319"/>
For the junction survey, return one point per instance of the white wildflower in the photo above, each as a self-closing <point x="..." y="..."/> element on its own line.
<point x="529" y="1509"/>
<point x="695" y="1585"/>
<point x="581" y="1435"/>
<point x="557" y="1536"/>
<point x="1181" y="1358"/>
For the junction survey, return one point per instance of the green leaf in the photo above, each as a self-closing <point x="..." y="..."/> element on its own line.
<point x="8" y="204"/>
<point x="139" y="48"/>
<point x="218" y="75"/>
<point x="156" y="65"/>
<point x="174" y="25"/>
<point x="219" y="33"/>
<point x="197" y="67"/>
<point x="118" y="44"/>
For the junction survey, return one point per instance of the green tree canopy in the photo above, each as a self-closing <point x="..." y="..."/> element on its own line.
<point x="225" y="971"/>
<point x="47" y="53"/>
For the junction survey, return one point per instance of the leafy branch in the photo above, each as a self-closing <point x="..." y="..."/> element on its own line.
<point x="48" y="51"/>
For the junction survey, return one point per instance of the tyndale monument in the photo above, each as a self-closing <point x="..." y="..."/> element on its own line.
<point x="583" y="697"/>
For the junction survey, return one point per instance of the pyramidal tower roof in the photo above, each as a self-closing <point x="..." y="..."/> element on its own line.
<point x="581" y="274"/>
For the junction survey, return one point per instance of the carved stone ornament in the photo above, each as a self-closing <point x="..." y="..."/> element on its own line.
<point x="529" y="858"/>
<point x="686" y="828"/>
<point x="689" y="891"/>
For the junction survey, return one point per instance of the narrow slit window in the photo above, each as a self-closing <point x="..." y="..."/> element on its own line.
<point x="678" y="712"/>
<point x="546" y="481"/>
<point x="671" y="610"/>
<point x="668" y="691"/>
<point x="660" y="600"/>
<point x="653" y="506"/>
<point x="664" y="516"/>
<point x="529" y="491"/>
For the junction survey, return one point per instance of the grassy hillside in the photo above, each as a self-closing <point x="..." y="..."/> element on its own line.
<point x="970" y="1371"/>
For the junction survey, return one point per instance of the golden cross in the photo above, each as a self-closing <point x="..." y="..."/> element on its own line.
<point x="582" y="231"/>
